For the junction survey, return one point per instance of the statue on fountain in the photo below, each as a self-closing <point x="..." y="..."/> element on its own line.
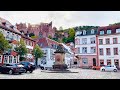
<point x="60" y="58"/>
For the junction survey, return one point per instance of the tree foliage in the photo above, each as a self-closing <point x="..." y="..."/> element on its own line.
<point x="31" y="34"/>
<point x="115" y="24"/>
<point x="21" y="49"/>
<point x="37" y="52"/>
<point x="50" y="36"/>
<point x="4" y="44"/>
<point x="71" y="32"/>
<point x="34" y="37"/>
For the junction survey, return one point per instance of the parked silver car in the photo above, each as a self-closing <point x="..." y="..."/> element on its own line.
<point x="109" y="68"/>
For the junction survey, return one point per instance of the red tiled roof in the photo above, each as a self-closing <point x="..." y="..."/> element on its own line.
<point x="12" y="30"/>
<point x="46" y="42"/>
<point x="14" y="42"/>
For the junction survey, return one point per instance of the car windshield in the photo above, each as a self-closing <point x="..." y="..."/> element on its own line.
<point x="32" y="63"/>
<point x="11" y="65"/>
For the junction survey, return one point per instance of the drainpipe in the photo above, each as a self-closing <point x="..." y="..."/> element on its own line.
<point x="97" y="50"/>
<point x="2" y="58"/>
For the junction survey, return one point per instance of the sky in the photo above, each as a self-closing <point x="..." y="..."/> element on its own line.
<point x="66" y="19"/>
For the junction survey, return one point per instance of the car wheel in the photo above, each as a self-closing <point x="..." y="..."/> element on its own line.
<point x="19" y="72"/>
<point x="115" y="70"/>
<point x="25" y="71"/>
<point x="31" y="71"/>
<point x="10" y="72"/>
<point x="103" y="69"/>
<point x="42" y="68"/>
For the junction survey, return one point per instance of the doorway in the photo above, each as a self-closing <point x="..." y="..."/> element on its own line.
<point x="94" y="61"/>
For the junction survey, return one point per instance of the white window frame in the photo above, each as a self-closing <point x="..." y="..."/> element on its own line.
<point x="10" y="59"/>
<point x="84" y="32"/>
<point x="102" y="32"/>
<point x="78" y="49"/>
<point x="85" y="60"/>
<point x="109" y="31"/>
<point x="15" y="59"/>
<point x="92" y="31"/>
<point x="0" y="58"/>
<point x="118" y="30"/>
<point x="6" y="61"/>
<point x="84" y="40"/>
<point x="92" y="40"/>
<point x="93" y="50"/>
<point x="83" y="50"/>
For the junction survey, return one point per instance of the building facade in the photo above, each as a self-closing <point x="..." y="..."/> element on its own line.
<point x="13" y="35"/>
<point x="86" y="49"/>
<point x="39" y="30"/>
<point x="109" y="45"/>
<point x="30" y="43"/>
<point x="69" y="55"/>
<point x="48" y="46"/>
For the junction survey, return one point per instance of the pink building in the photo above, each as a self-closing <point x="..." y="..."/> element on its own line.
<point x="109" y="45"/>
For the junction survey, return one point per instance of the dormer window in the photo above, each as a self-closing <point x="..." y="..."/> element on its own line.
<point x="92" y="31"/>
<point x="78" y="33"/>
<point x="118" y="30"/>
<point x="7" y="25"/>
<point x="101" y="32"/>
<point x="108" y="31"/>
<point x="4" y="23"/>
<point x="84" y="32"/>
<point x="12" y="26"/>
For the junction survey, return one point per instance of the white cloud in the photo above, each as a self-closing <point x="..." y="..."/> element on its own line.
<point x="65" y="19"/>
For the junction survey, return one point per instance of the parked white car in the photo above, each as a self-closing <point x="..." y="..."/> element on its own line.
<point x="109" y="68"/>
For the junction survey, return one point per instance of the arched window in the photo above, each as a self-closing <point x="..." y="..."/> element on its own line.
<point x="84" y="32"/>
<point x="92" y="31"/>
<point x="40" y="34"/>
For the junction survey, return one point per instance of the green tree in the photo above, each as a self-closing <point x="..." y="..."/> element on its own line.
<point x="4" y="44"/>
<point x="34" y="37"/>
<point x="21" y="49"/>
<point x="50" y="37"/>
<point x="64" y="40"/>
<point x="31" y="34"/>
<point x="38" y="53"/>
<point x="71" y="32"/>
<point x="71" y="35"/>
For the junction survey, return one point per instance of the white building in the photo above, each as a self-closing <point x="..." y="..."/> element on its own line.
<point x="11" y="34"/>
<point x="68" y="55"/>
<point x="85" y="44"/>
<point x="48" y="59"/>
<point x="48" y="46"/>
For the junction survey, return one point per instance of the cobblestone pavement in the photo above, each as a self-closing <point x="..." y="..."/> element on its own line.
<point x="82" y="74"/>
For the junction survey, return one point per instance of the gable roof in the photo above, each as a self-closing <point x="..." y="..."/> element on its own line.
<point x="46" y="42"/>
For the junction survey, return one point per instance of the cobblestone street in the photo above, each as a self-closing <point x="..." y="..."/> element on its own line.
<point x="82" y="74"/>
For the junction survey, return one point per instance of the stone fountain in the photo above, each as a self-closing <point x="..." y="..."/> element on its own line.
<point x="59" y="59"/>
